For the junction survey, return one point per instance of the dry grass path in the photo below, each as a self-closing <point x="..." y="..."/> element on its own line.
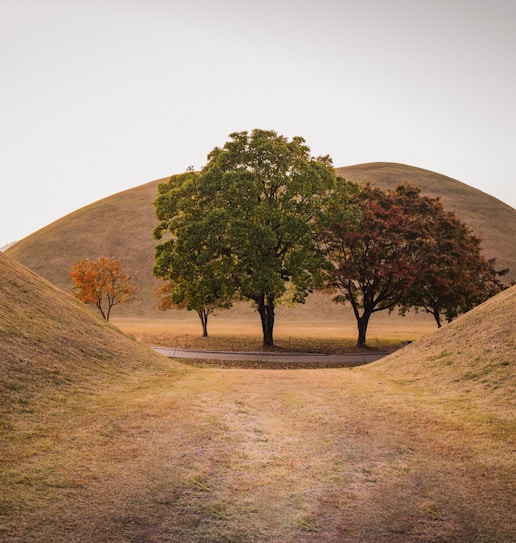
<point x="193" y="455"/>
<point x="104" y="441"/>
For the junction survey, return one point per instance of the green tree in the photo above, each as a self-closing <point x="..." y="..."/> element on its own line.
<point x="195" y="278"/>
<point x="248" y="222"/>
<point x="196" y="295"/>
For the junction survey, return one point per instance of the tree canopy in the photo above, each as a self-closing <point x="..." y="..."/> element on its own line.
<point x="244" y="227"/>
<point x="453" y="275"/>
<point x="195" y="278"/>
<point x="402" y="249"/>
<point x="101" y="282"/>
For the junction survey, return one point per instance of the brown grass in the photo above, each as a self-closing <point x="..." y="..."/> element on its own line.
<point x="418" y="447"/>
<point x="119" y="227"/>
<point x="386" y="332"/>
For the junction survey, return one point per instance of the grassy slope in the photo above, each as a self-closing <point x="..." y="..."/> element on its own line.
<point x="48" y="340"/>
<point x="474" y="355"/>
<point x="121" y="227"/>
<point x="101" y="440"/>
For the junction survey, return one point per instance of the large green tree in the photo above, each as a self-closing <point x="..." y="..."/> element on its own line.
<point x="247" y="221"/>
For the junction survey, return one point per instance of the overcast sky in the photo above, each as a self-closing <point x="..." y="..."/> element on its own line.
<point x="98" y="96"/>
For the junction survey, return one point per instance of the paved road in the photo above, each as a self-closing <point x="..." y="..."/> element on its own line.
<point x="312" y="358"/>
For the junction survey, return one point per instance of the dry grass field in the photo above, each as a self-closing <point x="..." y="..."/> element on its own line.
<point x="102" y="440"/>
<point x="331" y="336"/>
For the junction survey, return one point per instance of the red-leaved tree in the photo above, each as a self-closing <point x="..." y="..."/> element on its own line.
<point x="373" y="254"/>
<point x="454" y="276"/>
<point x="402" y="249"/>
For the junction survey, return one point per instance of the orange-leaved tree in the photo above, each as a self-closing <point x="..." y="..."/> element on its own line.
<point x="101" y="282"/>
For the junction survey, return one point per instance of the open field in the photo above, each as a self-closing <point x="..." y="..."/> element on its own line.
<point x="328" y="336"/>
<point x="102" y="440"/>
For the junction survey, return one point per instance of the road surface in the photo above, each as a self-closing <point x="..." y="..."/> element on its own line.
<point x="302" y="358"/>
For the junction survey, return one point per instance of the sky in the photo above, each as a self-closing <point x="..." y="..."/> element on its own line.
<point x="99" y="96"/>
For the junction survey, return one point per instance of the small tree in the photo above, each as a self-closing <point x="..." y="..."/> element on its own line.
<point x="200" y="295"/>
<point x="372" y="254"/>
<point x="101" y="282"/>
<point x="454" y="276"/>
<point x="195" y="278"/>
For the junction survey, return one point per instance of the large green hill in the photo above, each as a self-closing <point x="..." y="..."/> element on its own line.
<point x="121" y="227"/>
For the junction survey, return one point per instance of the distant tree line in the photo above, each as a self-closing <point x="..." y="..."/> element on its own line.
<point x="264" y="220"/>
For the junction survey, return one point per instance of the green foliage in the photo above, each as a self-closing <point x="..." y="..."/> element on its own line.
<point x="196" y="279"/>
<point x="245" y="226"/>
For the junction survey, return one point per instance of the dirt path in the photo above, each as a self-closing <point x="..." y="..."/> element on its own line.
<point x="234" y="456"/>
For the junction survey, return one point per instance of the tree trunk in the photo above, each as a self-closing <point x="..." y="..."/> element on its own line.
<point x="362" y="323"/>
<point x="100" y="308"/>
<point x="203" y="315"/>
<point x="436" y="315"/>
<point x="266" y="310"/>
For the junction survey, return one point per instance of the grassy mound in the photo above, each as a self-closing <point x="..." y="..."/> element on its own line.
<point x="119" y="227"/>
<point x="473" y="355"/>
<point x="50" y="341"/>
